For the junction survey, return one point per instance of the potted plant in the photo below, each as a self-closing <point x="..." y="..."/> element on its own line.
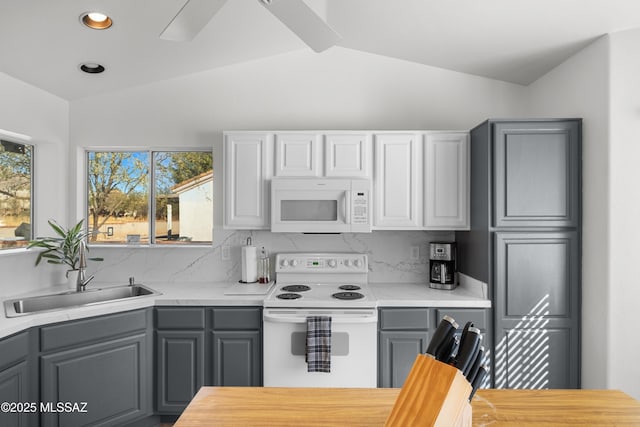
<point x="63" y="248"/>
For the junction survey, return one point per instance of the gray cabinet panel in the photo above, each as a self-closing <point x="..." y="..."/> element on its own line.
<point x="537" y="358"/>
<point x="92" y="329"/>
<point x="237" y="358"/>
<point x="180" y="318"/>
<point x="180" y="368"/>
<point x="536" y="174"/>
<point x="537" y="274"/>
<point x="109" y="376"/>
<point x="405" y="318"/>
<point x="236" y="318"/>
<point x="13" y="349"/>
<point x="537" y="310"/>
<point x="479" y="316"/>
<point x="397" y="353"/>
<point x="14" y="389"/>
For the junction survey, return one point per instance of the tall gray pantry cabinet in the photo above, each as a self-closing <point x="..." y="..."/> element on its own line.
<point x="525" y="243"/>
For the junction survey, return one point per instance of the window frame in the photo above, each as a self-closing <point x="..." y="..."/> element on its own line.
<point x="16" y="138"/>
<point x="151" y="193"/>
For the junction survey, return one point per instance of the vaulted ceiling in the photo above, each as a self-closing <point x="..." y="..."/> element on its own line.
<point x="42" y="41"/>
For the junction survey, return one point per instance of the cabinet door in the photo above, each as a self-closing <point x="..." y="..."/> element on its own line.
<point x="537" y="284"/>
<point x="397" y="182"/>
<point x="537" y="174"/>
<point x="446" y="180"/>
<point x="397" y="353"/>
<point x="297" y="154"/>
<point x="347" y="155"/>
<point x="13" y="388"/>
<point x="110" y="377"/>
<point x="246" y="191"/>
<point x="180" y="368"/>
<point x="237" y="358"/>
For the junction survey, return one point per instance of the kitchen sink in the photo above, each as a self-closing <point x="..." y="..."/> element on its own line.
<point x="53" y="302"/>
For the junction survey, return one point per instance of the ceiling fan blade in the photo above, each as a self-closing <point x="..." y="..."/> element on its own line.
<point x="304" y="22"/>
<point x="188" y="22"/>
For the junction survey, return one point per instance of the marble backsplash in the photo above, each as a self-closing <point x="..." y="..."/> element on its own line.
<point x="389" y="259"/>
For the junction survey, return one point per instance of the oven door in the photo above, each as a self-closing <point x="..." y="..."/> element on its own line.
<point x="353" y="348"/>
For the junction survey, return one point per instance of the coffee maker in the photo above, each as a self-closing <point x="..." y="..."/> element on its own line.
<point x="443" y="272"/>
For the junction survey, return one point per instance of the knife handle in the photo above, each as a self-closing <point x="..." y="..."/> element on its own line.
<point x="446" y="352"/>
<point x="477" y="381"/>
<point x="469" y="345"/>
<point x="473" y="371"/>
<point x="440" y="337"/>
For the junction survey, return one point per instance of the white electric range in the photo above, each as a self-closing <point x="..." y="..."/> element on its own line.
<point x="320" y="284"/>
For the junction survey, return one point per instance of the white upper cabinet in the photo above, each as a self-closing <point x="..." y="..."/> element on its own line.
<point x="446" y="181"/>
<point x="297" y="154"/>
<point x="347" y="155"/>
<point x="247" y="159"/>
<point x="397" y="181"/>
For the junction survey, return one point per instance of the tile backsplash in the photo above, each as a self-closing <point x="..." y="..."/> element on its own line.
<point x="389" y="259"/>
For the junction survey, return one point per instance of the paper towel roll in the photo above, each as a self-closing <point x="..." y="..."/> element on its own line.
<point x="249" y="264"/>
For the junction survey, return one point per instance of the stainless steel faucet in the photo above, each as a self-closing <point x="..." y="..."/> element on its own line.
<point x="82" y="282"/>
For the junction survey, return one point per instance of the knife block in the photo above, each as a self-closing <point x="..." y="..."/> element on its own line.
<point x="434" y="394"/>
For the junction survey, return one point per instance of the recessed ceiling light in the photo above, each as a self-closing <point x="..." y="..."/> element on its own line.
<point x="96" y="20"/>
<point x="92" y="68"/>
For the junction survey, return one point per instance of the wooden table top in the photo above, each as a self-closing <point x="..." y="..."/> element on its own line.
<point x="272" y="406"/>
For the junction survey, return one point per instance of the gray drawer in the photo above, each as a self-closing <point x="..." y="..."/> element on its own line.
<point x="13" y="349"/>
<point x="91" y="329"/>
<point x="180" y="318"/>
<point x="479" y="316"/>
<point x="236" y="318"/>
<point x="405" y="318"/>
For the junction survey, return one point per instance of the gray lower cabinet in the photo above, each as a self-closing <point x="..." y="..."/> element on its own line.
<point x="180" y="356"/>
<point x="104" y="362"/>
<point x="197" y="346"/>
<point x="180" y="368"/>
<point x="403" y="333"/>
<point x="237" y="358"/>
<point x="15" y="381"/>
<point x="236" y="346"/>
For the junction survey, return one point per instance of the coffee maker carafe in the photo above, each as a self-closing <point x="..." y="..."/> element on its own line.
<point x="443" y="273"/>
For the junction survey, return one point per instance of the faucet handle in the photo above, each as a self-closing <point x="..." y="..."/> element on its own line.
<point x="132" y="281"/>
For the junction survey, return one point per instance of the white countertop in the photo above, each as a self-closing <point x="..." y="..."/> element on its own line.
<point x="218" y="294"/>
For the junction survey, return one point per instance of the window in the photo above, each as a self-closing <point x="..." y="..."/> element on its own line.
<point x="150" y="197"/>
<point x="16" y="192"/>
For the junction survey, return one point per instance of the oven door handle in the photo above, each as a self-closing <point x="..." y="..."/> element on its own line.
<point x="363" y="318"/>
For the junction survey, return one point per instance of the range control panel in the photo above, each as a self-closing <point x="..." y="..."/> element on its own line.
<point x="321" y="263"/>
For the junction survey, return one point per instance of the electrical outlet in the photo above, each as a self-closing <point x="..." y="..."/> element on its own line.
<point x="225" y="253"/>
<point x="415" y="253"/>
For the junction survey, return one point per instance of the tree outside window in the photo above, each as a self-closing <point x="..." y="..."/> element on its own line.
<point x="177" y="210"/>
<point x="16" y="183"/>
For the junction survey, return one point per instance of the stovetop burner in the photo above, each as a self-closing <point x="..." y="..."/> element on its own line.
<point x="288" y="295"/>
<point x="349" y="287"/>
<point x="295" y="288"/>
<point x="348" y="295"/>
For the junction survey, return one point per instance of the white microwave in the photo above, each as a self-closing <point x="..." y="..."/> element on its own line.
<point x="320" y="205"/>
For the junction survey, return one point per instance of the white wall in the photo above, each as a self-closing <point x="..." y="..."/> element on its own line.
<point x="339" y="89"/>
<point x="196" y="222"/>
<point x="624" y="211"/>
<point x="43" y="117"/>
<point x="579" y="88"/>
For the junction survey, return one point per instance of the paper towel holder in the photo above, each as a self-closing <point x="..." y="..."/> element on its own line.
<point x="242" y="281"/>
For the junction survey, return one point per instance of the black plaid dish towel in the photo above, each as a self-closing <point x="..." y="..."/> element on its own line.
<point x="318" y="344"/>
